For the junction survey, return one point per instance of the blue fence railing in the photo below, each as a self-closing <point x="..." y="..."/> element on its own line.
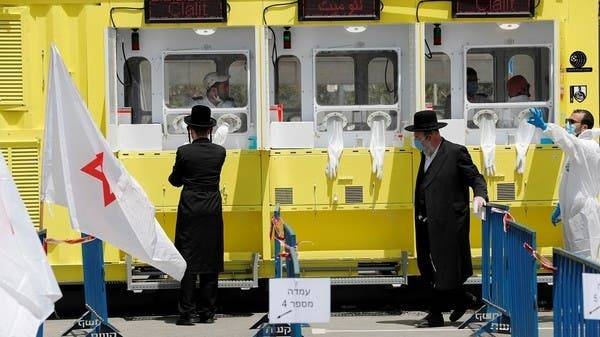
<point x="568" y="305"/>
<point x="508" y="277"/>
<point x="286" y="259"/>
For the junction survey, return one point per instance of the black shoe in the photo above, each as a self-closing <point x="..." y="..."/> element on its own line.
<point x="461" y="308"/>
<point x="185" y="320"/>
<point x="203" y="318"/>
<point x="195" y="318"/>
<point x="457" y="313"/>
<point x="432" y="320"/>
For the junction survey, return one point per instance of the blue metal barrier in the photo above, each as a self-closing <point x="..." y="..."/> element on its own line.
<point x="286" y="255"/>
<point x="568" y="295"/>
<point x="509" y="284"/>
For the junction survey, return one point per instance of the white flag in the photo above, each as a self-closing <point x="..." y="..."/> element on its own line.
<point x="80" y="172"/>
<point x="28" y="288"/>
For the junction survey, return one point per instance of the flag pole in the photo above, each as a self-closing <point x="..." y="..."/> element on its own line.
<point x="94" y="286"/>
<point x="42" y="236"/>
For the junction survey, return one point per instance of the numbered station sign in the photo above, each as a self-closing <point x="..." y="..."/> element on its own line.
<point x="591" y="296"/>
<point x="298" y="300"/>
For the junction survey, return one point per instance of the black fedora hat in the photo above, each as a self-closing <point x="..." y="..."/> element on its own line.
<point x="200" y="117"/>
<point x="425" y="120"/>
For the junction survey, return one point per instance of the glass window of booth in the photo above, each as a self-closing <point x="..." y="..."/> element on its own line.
<point x="482" y="72"/>
<point x="382" y="87"/>
<point x="524" y="66"/>
<point x="288" y="87"/>
<point x="511" y="80"/>
<point x="357" y="84"/>
<point x="189" y="77"/>
<point x="335" y="79"/>
<point x="138" y="89"/>
<point x="437" y="84"/>
<point x="356" y="77"/>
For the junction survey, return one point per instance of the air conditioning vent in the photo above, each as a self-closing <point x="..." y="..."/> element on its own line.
<point x="284" y="195"/>
<point x="506" y="191"/>
<point x="11" y="61"/>
<point x="354" y="194"/>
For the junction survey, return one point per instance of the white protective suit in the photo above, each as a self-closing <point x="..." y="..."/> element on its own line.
<point x="579" y="188"/>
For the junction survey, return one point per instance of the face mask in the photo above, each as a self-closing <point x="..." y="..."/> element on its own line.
<point x="419" y="146"/>
<point x="472" y="87"/>
<point x="570" y="128"/>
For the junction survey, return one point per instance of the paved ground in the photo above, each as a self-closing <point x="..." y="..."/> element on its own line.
<point x="341" y="324"/>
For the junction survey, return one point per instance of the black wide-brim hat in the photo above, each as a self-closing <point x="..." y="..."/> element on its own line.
<point x="425" y="120"/>
<point x="200" y="117"/>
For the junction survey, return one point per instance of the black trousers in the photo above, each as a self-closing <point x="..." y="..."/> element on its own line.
<point x="205" y="301"/>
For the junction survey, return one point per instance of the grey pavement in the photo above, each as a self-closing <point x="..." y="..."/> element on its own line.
<point x="341" y="324"/>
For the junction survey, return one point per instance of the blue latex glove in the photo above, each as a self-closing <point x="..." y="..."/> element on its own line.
<point x="556" y="218"/>
<point x="536" y="118"/>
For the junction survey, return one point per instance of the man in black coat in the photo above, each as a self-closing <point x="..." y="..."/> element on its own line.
<point x="442" y="219"/>
<point x="199" y="228"/>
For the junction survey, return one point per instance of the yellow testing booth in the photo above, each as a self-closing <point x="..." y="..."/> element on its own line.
<point x="319" y="94"/>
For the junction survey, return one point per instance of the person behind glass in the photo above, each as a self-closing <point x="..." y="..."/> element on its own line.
<point x="578" y="207"/>
<point x="217" y="92"/>
<point x="473" y="96"/>
<point x="517" y="89"/>
<point x="199" y="226"/>
<point x="442" y="217"/>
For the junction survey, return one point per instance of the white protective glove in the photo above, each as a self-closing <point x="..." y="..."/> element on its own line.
<point x="486" y="121"/>
<point x="377" y="146"/>
<point x="525" y="133"/>
<point x="220" y="135"/>
<point x="335" y="146"/>
<point x="478" y="203"/>
<point x="489" y="159"/>
<point x="487" y="125"/>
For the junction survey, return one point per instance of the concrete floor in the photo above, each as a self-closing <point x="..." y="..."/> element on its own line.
<point x="341" y="324"/>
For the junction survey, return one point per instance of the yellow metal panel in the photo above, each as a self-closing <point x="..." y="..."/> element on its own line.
<point x="304" y="173"/>
<point x="240" y="177"/>
<point x="151" y="170"/>
<point x="328" y="232"/>
<point x="541" y="179"/>
<point x="331" y="243"/>
<point x="242" y="230"/>
<point x="22" y="161"/>
<point x="539" y="182"/>
<point x="11" y="61"/>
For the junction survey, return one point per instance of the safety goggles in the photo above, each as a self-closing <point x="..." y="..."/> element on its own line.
<point x="571" y="121"/>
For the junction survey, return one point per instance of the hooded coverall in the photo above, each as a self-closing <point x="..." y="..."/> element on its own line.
<point x="579" y="188"/>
